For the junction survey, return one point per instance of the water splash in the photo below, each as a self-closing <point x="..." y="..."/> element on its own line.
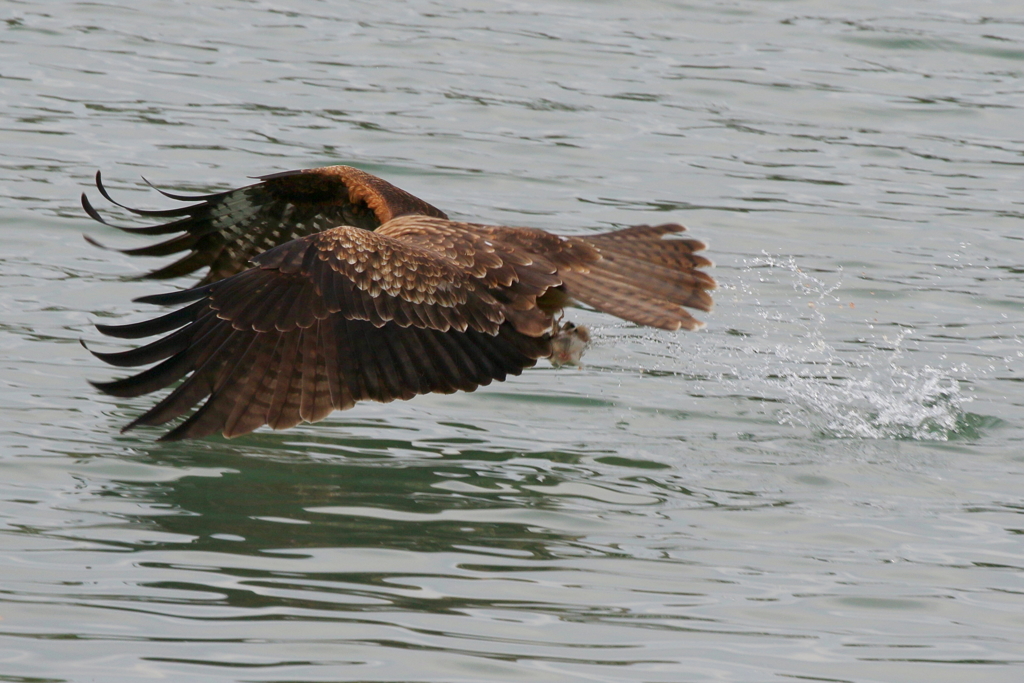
<point x="814" y="361"/>
<point x="807" y="356"/>
<point x="865" y="390"/>
<point x="898" y="403"/>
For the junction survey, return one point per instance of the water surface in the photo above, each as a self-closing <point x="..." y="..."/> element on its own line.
<point x="824" y="484"/>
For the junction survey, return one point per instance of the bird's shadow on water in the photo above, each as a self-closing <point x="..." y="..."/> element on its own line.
<point x="333" y="515"/>
<point x="283" y="492"/>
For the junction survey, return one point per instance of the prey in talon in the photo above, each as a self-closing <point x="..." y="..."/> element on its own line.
<point x="568" y="344"/>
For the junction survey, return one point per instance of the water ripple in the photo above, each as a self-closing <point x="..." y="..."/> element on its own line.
<point x="823" y="485"/>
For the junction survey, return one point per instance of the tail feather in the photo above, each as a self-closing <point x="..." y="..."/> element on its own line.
<point x="643" y="242"/>
<point x="646" y="279"/>
<point x="640" y="232"/>
<point x="684" y="287"/>
<point x="629" y="303"/>
<point x="671" y="253"/>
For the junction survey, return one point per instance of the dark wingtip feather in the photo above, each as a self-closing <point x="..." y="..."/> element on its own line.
<point x="154" y="326"/>
<point x="121" y="388"/>
<point x="165" y="248"/>
<point x="134" y="423"/>
<point x="186" y="265"/>
<point x="126" y="387"/>
<point x="96" y="243"/>
<point x="102" y="386"/>
<point x="93" y="213"/>
<point x="278" y="174"/>
<point x="115" y="358"/>
<point x="103" y="190"/>
<point x="126" y="359"/>
<point x="181" y="211"/>
<point x="162" y="229"/>
<point x="184" y="197"/>
<point x="171" y="298"/>
<point x="179" y="433"/>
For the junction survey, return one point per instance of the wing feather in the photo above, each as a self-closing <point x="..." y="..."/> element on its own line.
<point x="279" y="414"/>
<point x="337" y="382"/>
<point x="195" y="387"/>
<point x="250" y="409"/>
<point x="224" y="230"/>
<point x="228" y="388"/>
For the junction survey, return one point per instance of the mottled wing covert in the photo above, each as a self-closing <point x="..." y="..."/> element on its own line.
<point x="321" y="323"/>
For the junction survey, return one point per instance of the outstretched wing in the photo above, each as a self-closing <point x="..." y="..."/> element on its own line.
<point x="226" y="230"/>
<point x="330" y="319"/>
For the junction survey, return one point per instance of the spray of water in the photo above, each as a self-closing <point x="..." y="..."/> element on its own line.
<point x="812" y="360"/>
<point x="892" y="402"/>
<point x="860" y="389"/>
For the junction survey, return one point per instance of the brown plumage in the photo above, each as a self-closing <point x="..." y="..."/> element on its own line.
<point x="329" y="286"/>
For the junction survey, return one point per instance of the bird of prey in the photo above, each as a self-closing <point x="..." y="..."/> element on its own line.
<point x="329" y="286"/>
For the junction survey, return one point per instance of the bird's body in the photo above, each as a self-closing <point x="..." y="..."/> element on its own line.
<point x="330" y="286"/>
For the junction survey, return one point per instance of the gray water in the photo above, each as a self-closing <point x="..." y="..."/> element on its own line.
<point x="825" y="484"/>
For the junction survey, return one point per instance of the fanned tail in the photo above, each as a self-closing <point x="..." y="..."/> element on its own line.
<point x="646" y="279"/>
